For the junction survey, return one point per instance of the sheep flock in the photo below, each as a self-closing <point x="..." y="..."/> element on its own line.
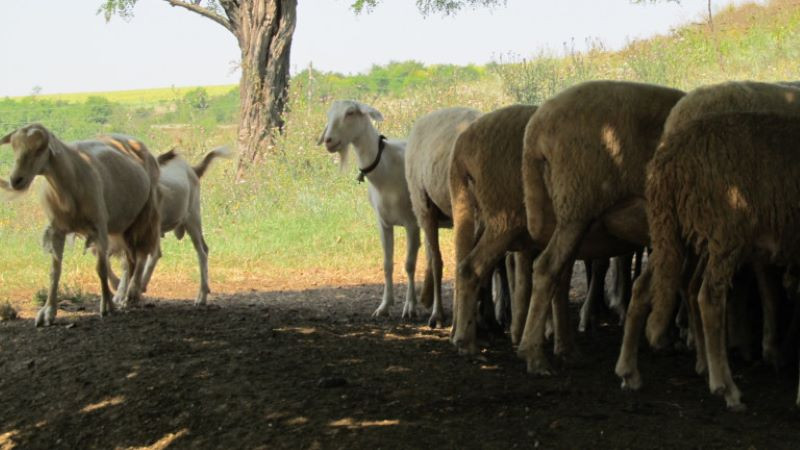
<point x="706" y="181"/>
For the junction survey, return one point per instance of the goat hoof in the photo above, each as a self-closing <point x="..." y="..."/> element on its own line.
<point x="45" y="317"/>
<point x="409" y="312"/>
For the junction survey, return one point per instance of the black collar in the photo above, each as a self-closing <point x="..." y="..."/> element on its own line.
<point x="371" y="167"/>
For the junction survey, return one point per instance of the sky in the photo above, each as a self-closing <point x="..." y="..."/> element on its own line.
<point x="59" y="46"/>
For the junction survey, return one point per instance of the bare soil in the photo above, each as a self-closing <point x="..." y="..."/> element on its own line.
<point x="309" y="368"/>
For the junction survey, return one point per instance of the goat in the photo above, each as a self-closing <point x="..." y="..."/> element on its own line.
<point x="179" y="186"/>
<point x="104" y="189"/>
<point x="383" y="165"/>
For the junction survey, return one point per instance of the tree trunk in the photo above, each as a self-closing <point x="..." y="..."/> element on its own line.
<point x="264" y="29"/>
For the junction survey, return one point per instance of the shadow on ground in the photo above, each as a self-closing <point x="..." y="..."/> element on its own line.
<point x="312" y="369"/>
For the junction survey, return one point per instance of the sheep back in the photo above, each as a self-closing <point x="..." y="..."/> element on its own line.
<point x="587" y="148"/>
<point x="728" y="182"/>
<point x="735" y="96"/>
<point x="486" y="160"/>
<point x="428" y="155"/>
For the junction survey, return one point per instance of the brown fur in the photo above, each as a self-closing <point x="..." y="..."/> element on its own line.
<point x="746" y="96"/>
<point x="486" y="189"/>
<point x="585" y="150"/>
<point x="729" y="209"/>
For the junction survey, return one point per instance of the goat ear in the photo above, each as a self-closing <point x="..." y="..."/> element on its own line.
<point x="322" y="136"/>
<point x="371" y="112"/>
<point x="36" y="137"/>
<point x="6" y="139"/>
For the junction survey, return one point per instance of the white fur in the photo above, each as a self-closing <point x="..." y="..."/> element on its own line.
<point x="349" y="123"/>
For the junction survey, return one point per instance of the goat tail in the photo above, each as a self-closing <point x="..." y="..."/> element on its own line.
<point x="219" y="152"/>
<point x="167" y="157"/>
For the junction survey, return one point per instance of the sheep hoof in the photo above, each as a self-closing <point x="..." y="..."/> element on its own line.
<point x="770" y="356"/>
<point x="631" y="382"/>
<point x="382" y="311"/>
<point x="536" y="365"/>
<point x="700" y="367"/>
<point x="737" y="408"/>
<point x="436" y="320"/>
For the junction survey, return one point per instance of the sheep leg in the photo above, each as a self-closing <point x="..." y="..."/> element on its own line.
<point x="387" y="242"/>
<point x="54" y="242"/>
<point x="627" y="366"/>
<point x="435" y="264"/>
<point x="713" y="292"/>
<point x="564" y="342"/>
<point x="152" y="260"/>
<point x="412" y="248"/>
<point x="472" y="272"/>
<point x="594" y="293"/>
<point x="695" y="320"/>
<point x="769" y="300"/>
<point x="547" y="274"/>
<point x="621" y="285"/>
<point x="523" y="268"/>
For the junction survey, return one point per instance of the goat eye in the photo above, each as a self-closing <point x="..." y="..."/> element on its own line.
<point x="350" y="113"/>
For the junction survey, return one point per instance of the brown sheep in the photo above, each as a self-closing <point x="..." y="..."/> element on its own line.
<point x="488" y="215"/>
<point x="707" y="189"/>
<point x="428" y="154"/>
<point x="583" y="168"/>
<point x="719" y="98"/>
<point x="105" y="190"/>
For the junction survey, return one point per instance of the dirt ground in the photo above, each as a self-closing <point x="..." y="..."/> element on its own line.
<point x="309" y="368"/>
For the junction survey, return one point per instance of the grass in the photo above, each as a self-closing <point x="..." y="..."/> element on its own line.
<point x="298" y="220"/>
<point x="138" y="96"/>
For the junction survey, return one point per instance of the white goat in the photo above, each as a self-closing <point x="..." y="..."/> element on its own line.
<point x="102" y="189"/>
<point x="382" y="162"/>
<point x="179" y="186"/>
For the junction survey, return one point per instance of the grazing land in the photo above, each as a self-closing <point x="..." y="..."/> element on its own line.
<point x="287" y="355"/>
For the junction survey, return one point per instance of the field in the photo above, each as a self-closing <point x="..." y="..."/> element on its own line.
<point x="295" y="271"/>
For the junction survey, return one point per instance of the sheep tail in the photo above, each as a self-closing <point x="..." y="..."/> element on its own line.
<point x="668" y="252"/>
<point x="534" y="168"/>
<point x="220" y="152"/>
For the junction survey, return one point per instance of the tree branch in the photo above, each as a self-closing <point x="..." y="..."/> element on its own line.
<point x="203" y="12"/>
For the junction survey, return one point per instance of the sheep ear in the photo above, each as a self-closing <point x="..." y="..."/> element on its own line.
<point x="6" y="139"/>
<point x="322" y="136"/>
<point x="370" y="111"/>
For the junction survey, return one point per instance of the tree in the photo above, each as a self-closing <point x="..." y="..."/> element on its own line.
<point x="263" y="29"/>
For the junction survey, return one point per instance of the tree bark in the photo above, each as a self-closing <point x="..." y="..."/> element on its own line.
<point x="264" y="29"/>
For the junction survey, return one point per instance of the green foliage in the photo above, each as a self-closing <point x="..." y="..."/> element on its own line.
<point x="197" y="99"/>
<point x="395" y="78"/>
<point x="427" y="7"/>
<point x="73" y="295"/>
<point x="99" y="109"/>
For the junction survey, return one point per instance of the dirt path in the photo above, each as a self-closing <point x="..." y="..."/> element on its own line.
<point x="311" y="369"/>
